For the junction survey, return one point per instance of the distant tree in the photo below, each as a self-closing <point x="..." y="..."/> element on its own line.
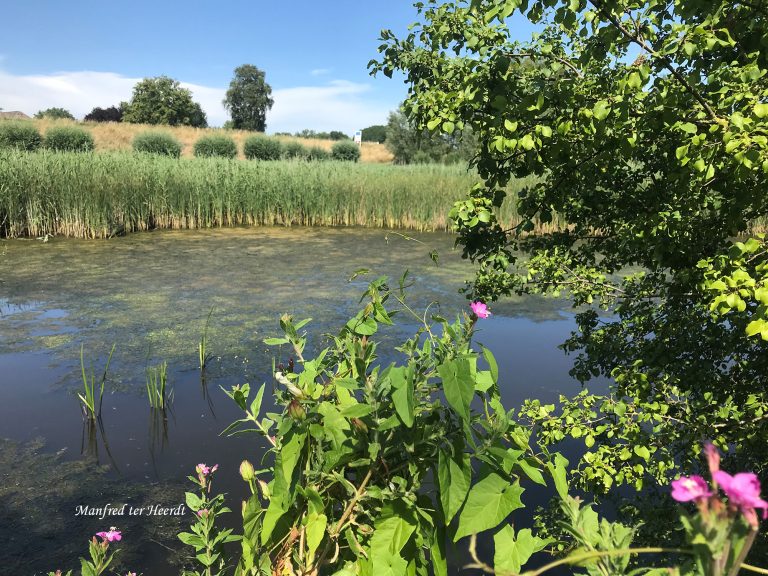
<point x="55" y="114"/>
<point x="332" y="135"/>
<point x="111" y="114"/>
<point x="375" y="133"/>
<point x="410" y="145"/>
<point x="162" y="100"/>
<point x="248" y="99"/>
<point x="336" y="135"/>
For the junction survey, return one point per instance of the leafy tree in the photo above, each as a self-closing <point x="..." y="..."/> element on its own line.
<point x="111" y="114"/>
<point x="248" y="99"/>
<point x="375" y="133"/>
<point x="55" y="114"/>
<point x="647" y="125"/>
<point x="162" y="100"/>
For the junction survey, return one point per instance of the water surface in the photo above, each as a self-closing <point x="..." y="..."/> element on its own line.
<point x="150" y="294"/>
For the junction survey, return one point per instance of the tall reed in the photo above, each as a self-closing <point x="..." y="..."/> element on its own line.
<point x="202" y="346"/>
<point x="100" y="195"/>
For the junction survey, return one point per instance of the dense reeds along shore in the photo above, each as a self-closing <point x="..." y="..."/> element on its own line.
<point x="100" y="195"/>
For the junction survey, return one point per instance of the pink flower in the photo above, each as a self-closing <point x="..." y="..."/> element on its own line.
<point x="202" y="513"/>
<point x="113" y="535"/>
<point x="743" y="491"/>
<point x="693" y="488"/>
<point x="205" y="470"/>
<point x="480" y="309"/>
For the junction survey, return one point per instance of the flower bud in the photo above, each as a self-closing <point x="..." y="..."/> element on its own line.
<point x="246" y="471"/>
<point x="359" y="425"/>
<point x="296" y="410"/>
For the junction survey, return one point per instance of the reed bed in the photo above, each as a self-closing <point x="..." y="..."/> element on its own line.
<point x="102" y="195"/>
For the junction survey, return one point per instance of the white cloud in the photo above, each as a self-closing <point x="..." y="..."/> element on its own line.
<point x="336" y="105"/>
<point x="320" y="71"/>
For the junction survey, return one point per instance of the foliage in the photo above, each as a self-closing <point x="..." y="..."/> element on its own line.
<point x="345" y="150"/>
<point x="248" y="99"/>
<point x="162" y="100"/>
<point x="216" y="145"/>
<point x="260" y="147"/>
<point x="646" y="124"/>
<point x="157" y="143"/>
<point x="317" y="153"/>
<point x="68" y="138"/>
<point x="111" y="114"/>
<point x="55" y="114"/>
<point x="207" y="540"/>
<point x="410" y="145"/>
<point x="375" y="133"/>
<point x="357" y="441"/>
<point x="19" y="135"/>
<point x="294" y="150"/>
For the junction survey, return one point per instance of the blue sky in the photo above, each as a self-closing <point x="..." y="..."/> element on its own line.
<point x="87" y="53"/>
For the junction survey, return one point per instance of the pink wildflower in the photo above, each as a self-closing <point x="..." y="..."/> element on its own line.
<point x="113" y="535"/>
<point x="693" y="488"/>
<point x="743" y="491"/>
<point x="480" y="309"/>
<point x="203" y="512"/>
<point x="206" y="470"/>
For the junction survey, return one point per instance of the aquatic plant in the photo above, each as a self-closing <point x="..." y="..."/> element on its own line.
<point x="88" y="397"/>
<point x="157" y="383"/>
<point x="203" y="354"/>
<point x="100" y="555"/>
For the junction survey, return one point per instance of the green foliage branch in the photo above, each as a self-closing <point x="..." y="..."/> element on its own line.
<point x="646" y="125"/>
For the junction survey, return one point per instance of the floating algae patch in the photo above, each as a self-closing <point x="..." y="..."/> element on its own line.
<point x="41" y="495"/>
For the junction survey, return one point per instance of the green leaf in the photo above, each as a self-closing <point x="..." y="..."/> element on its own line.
<point x="316" y="524"/>
<point x="402" y="393"/>
<point x="458" y="384"/>
<point x="392" y="531"/>
<point x="454" y="477"/>
<point x="558" y="470"/>
<point x="488" y="504"/>
<point x="512" y="553"/>
<point x="761" y="110"/>
<point x="601" y="110"/>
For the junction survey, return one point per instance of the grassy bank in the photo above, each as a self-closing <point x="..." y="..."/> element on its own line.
<point x="116" y="136"/>
<point x="99" y="195"/>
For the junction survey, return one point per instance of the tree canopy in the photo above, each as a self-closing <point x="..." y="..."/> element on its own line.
<point x="646" y="124"/>
<point x="55" y="114"/>
<point x="248" y="99"/>
<point x="162" y="100"/>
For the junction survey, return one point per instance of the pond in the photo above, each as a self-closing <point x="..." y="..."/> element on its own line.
<point x="150" y="294"/>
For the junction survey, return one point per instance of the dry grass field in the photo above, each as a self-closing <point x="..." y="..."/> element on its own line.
<point x="119" y="136"/>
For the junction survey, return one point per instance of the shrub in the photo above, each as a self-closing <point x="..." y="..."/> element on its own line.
<point x="318" y="153"/>
<point x="157" y="143"/>
<point x="68" y="139"/>
<point x="21" y="135"/>
<point x="295" y="150"/>
<point x="55" y="114"/>
<point x="262" y="148"/>
<point x="345" y="150"/>
<point x="221" y="146"/>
